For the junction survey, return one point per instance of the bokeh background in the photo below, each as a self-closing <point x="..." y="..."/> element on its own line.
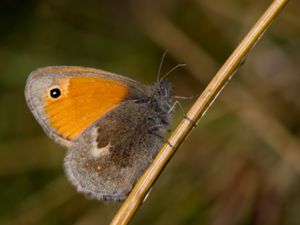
<point x="241" y="165"/>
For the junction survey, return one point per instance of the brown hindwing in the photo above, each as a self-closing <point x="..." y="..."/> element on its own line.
<point x="108" y="158"/>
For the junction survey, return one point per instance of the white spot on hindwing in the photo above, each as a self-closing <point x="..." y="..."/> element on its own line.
<point x="100" y="152"/>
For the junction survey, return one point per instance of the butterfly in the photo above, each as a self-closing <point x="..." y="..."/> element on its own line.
<point x="113" y="126"/>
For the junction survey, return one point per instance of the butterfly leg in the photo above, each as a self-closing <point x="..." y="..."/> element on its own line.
<point x="173" y="107"/>
<point x="158" y="127"/>
<point x="163" y="138"/>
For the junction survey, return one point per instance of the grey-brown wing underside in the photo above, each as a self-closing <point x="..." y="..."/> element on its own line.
<point x="108" y="158"/>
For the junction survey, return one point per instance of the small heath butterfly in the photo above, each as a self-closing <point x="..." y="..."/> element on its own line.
<point x="112" y="126"/>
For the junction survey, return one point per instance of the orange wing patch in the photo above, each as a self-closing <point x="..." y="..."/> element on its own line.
<point x="83" y="100"/>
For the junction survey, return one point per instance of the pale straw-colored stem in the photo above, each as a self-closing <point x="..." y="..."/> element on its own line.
<point x="134" y="200"/>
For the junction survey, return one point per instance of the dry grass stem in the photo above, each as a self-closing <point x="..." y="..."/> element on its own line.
<point x="130" y="206"/>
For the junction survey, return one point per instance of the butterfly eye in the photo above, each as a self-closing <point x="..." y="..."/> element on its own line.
<point x="55" y="93"/>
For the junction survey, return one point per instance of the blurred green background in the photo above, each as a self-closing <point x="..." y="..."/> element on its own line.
<point x="241" y="165"/>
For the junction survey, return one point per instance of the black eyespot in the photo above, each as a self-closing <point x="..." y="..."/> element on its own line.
<point x="55" y="93"/>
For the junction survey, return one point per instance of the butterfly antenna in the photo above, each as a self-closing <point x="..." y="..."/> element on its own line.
<point x="186" y="97"/>
<point x="160" y="65"/>
<point x="174" y="68"/>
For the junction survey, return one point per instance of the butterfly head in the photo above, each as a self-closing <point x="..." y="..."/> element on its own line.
<point x="162" y="96"/>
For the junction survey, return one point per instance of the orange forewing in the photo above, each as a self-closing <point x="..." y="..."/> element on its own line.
<point x="83" y="100"/>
